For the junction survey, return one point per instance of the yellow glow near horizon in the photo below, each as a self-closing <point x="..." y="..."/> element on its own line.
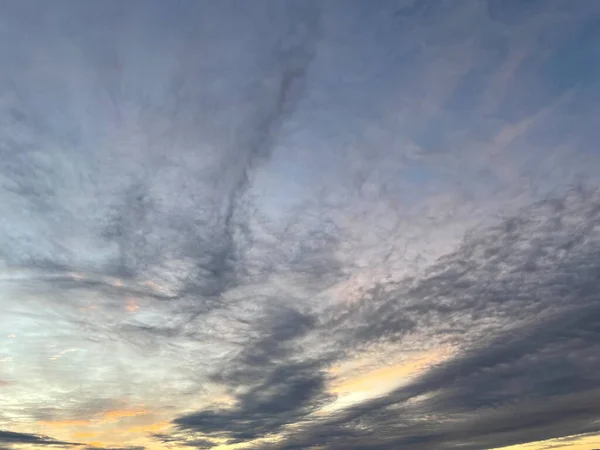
<point x="351" y="389"/>
<point x="576" y="442"/>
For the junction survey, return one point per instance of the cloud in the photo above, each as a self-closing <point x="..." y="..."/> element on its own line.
<point x="272" y="387"/>
<point x="213" y="263"/>
<point x="527" y="293"/>
<point x="11" y="437"/>
<point x="220" y="206"/>
<point x="186" y="440"/>
<point x="172" y="256"/>
<point x="136" y="447"/>
<point x="506" y="285"/>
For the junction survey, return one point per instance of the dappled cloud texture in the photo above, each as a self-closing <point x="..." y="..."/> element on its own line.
<point x="335" y="225"/>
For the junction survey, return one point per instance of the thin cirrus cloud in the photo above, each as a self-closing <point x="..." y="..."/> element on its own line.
<point x="299" y="224"/>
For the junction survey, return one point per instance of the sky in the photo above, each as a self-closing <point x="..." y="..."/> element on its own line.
<point x="286" y="225"/>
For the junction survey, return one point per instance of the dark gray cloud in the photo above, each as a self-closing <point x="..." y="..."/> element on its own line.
<point x="275" y="386"/>
<point x="11" y="437"/>
<point x="181" y="440"/>
<point x="530" y="374"/>
<point x="501" y="276"/>
<point x="525" y="290"/>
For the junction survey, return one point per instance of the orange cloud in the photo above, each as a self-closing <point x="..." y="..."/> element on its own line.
<point x="64" y="423"/>
<point x="85" y="435"/>
<point x="104" y="437"/>
<point x="150" y="428"/>
<point x="110" y="428"/>
<point x="109" y="416"/>
<point x="117" y="414"/>
<point x="132" y="305"/>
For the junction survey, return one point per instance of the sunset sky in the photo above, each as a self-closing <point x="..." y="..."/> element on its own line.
<point x="298" y="224"/>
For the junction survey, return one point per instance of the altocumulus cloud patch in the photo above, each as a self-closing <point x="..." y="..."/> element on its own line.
<point x="299" y="224"/>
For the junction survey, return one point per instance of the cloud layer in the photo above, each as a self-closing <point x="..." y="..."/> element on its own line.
<point x="298" y="224"/>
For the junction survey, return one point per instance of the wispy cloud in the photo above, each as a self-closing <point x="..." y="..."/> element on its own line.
<point x="298" y="224"/>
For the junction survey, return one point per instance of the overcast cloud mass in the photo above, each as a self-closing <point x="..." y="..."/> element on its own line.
<point x="285" y="225"/>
